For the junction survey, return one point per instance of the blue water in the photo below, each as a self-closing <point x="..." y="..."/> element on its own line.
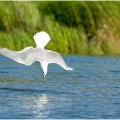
<point x="92" y="90"/>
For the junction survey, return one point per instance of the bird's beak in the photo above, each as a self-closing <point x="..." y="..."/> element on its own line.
<point x="44" y="77"/>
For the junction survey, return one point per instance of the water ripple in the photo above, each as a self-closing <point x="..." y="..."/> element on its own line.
<point x="92" y="90"/>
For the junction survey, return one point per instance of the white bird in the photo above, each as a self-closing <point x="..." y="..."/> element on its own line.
<point x="29" y="54"/>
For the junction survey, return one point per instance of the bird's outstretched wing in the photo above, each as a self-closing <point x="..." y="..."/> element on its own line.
<point x="54" y="57"/>
<point x="41" y="39"/>
<point x="26" y="56"/>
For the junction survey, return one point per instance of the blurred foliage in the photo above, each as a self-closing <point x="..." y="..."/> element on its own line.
<point x="75" y="27"/>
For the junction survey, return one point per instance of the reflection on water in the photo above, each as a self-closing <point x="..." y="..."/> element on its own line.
<point x="41" y="102"/>
<point x="92" y="90"/>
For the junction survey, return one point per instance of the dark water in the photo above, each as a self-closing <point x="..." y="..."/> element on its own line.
<point x="92" y="90"/>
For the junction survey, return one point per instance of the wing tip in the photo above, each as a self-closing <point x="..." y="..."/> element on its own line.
<point x="69" y="68"/>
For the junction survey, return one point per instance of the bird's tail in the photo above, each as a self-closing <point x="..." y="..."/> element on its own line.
<point x="41" y="39"/>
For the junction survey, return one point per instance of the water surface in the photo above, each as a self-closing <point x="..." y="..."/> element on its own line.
<point x="92" y="90"/>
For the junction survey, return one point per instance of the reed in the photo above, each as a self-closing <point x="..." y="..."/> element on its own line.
<point x="79" y="27"/>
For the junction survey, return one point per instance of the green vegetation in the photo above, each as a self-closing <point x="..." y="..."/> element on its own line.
<point x="79" y="27"/>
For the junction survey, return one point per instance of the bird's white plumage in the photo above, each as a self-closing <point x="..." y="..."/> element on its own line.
<point x="41" y="39"/>
<point x="44" y="65"/>
<point x="29" y="55"/>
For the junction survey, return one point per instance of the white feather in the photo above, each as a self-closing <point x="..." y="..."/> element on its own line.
<point x="41" y="39"/>
<point x="29" y="55"/>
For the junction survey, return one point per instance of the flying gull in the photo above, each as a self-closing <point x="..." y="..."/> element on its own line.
<point x="29" y="54"/>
